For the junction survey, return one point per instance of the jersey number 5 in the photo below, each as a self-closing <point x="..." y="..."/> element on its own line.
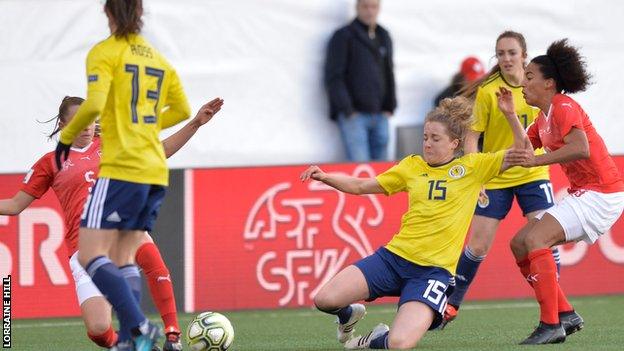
<point x="152" y="95"/>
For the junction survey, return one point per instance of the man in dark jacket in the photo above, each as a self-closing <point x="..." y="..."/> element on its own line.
<point x="359" y="79"/>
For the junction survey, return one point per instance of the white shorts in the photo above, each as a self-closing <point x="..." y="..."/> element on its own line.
<point x="586" y="214"/>
<point x="85" y="288"/>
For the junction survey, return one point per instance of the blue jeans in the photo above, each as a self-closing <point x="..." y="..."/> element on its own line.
<point x="365" y="136"/>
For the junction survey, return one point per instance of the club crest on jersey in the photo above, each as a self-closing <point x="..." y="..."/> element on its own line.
<point x="457" y="172"/>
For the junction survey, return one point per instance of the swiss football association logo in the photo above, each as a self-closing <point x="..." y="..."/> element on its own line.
<point x="303" y="241"/>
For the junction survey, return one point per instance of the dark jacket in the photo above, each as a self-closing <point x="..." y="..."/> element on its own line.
<point x="359" y="73"/>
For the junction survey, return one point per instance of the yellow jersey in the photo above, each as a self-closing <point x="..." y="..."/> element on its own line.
<point x="442" y="200"/>
<point x="497" y="134"/>
<point x="143" y="95"/>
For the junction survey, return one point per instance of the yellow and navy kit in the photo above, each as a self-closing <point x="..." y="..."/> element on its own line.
<point x="442" y="200"/>
<point x="140" y="94"/>
<point x="497" y="134"/>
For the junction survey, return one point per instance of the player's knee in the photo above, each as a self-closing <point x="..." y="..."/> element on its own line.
<point x="401" y="342"/>
<point x="325" y="301"/>
<point x="517" y="245"/>
<point x="479" y="249"/>
<point x="533" y="242"/>
<point x="97" y="327"/>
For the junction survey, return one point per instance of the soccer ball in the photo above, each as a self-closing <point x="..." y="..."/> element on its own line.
<point x="210" y="331"/>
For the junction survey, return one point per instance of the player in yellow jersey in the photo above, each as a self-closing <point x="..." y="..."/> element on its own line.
<point x="531" y="187"/>
<point x="419" y="261"/>
<point x="136" y="93"/>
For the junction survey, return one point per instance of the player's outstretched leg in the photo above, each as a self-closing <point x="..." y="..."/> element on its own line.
<point x="376" y="338"/>
<point x="148" y="257"/>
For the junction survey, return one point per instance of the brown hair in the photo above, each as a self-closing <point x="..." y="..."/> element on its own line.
<point x="471" y="89"/>
<point x="565" y="65"/>
<point x="66" y="103"/>
<point x="456" y="114"/>
<point x="127" y="16"/>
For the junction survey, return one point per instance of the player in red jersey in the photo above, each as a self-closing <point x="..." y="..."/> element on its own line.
<point x="72" y="185"/>
<point x="596" y="193"/>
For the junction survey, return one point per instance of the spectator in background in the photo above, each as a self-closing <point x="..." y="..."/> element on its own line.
<point x="360" y="83"/>
<point x="470" y="71"/>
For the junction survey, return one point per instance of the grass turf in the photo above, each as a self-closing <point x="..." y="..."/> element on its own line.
<point x="498" y="325"/>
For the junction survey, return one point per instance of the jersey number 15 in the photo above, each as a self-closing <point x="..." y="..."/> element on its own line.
<point x="152" y="95"/>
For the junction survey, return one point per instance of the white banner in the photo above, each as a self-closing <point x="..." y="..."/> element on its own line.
<point x="265" y="58"/>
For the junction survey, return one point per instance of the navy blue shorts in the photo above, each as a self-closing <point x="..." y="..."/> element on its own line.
<point x="533" y="196"/>
<point x="388" y="274"/>
<point x="117" y="204"/>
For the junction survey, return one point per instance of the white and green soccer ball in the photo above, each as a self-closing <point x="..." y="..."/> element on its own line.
<point x="210" y="331"/>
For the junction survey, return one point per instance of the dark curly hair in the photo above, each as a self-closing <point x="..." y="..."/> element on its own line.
<point x="566" y="66"/>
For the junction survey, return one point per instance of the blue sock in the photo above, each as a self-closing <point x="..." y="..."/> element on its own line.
<point x="380" y="342"/>
<point x="466" y="271"/>
<point x="107" y="277"/>
<point x="555" y="253"/>
<point x="133" y="277"/>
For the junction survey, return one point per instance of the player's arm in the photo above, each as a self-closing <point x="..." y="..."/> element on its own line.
<point x="507" y="107"/>
<point x="576" y="148"/>
<point x="173" y="143"/>
<point x="176" y="108"/>
<point x="346" y="184"/>
<point x="15" y="205"/>
<point x="471" y="141"/>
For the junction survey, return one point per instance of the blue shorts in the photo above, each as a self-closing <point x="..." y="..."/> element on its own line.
<point x="117" y="204"/>
<point x="533" y="196"/>
<point x="388" y="274"/>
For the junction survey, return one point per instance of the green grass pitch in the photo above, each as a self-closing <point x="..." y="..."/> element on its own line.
<point x="496" y="325"/>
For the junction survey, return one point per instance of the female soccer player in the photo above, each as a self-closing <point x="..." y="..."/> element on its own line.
<point x="418" y="263"/>
<point x="531" y="187"/>
<point x="136" y="93"/>
<point x="596" y="193"/>
<point x="72" y="186"/>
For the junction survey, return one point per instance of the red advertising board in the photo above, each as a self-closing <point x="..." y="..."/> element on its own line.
<point x="32" y="251"/>
<point x="263" y="239"/>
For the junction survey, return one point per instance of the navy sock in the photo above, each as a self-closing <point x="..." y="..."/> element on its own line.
<point x="466" y="271"/>
<point x="380" y="342"/>
<point x="344" y="314"/>
<point x="108" y="278"/>
<point x="133" y="277"/>
<point x="555" y="253"/>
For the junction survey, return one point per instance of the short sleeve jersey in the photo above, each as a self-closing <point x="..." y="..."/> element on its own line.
<point x="442" y="200"/>
<point x="497" y="134"/>
<point x="71" y="185"/>
<point x="139" y="83"/>
<point x="598" y="172"/>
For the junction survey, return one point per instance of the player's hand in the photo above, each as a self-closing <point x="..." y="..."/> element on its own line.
<point x="61" y="154"/>
<point x="484" y="199"/>
<point x="208" y="111"/>
<point x="505" y="102"/>
<point x="313" y="172"/>
<point x="520" y="157"/>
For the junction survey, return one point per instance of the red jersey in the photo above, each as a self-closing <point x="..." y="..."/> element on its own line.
<point x="71" y="185"/>
<point x="598" y="172"/>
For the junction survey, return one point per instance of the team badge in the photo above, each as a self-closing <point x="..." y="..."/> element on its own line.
<point x="457" y="172"/>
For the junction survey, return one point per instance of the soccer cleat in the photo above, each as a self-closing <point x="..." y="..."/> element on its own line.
<point x="148" y="338"/>
<point x="546" y="334"/>
<point x="571" y="322"/>
<point x="172" y="343"/>
<point x="363" y="342"/>
<point x="123" y="346"/>
<point x="345" y="331"/>
<point x="450" y="313"/>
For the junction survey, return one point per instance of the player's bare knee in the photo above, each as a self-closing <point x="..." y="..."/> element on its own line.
<point x="401" y="342"/>
<point x="97" y="326"/>
<point x="479" y="249"/>
<point x="324" y="301"/>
